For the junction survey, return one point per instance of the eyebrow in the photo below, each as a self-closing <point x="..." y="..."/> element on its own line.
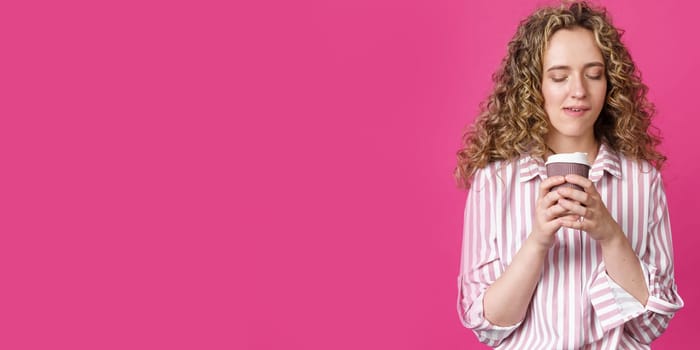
<point x="587" y="65"/>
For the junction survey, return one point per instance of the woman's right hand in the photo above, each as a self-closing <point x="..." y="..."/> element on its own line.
<point x="548" y="213"/>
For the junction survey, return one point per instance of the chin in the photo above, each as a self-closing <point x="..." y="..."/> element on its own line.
<point x="572" y="133"/>
<point x="575" y="134"/>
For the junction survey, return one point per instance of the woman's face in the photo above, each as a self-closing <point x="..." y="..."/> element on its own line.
<point x="573" y="84"/>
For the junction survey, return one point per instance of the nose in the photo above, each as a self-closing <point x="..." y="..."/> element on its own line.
<point x="578" y="88"/>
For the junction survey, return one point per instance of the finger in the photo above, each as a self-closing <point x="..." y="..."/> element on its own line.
<point x="550" y="182"/>
<point x="555" y="212"/>
<point x="550" y="199"/>
<point x="571" y="217"/>
<point x="554" y="225"/>
<point x="567" y="214"/>
<point x="575" y="195"/>
<point x="585" y="183"/>
<point x="574" y="224"/>
<point x="573" y="207"/>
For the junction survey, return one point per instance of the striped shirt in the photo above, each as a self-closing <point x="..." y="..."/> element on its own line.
<point x="576" y="305"/>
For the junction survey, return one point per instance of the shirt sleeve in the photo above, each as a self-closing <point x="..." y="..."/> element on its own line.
<point x="480" y="263"/>
<point x="615" y="306"/>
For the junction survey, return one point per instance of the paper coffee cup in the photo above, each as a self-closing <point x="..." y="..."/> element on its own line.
<point x="563" y="164"/>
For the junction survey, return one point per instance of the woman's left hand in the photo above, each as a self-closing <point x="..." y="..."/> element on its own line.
<point x="595" y="218"/>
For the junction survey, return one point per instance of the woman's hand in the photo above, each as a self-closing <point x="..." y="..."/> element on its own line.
<point x="549" y="214"/>
<point x="593" y="216"/>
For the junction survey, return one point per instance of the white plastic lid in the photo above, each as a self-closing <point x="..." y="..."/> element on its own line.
<point x="576" y="157"/>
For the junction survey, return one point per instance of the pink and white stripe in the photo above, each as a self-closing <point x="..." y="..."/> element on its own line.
<point x="575" y="305"/>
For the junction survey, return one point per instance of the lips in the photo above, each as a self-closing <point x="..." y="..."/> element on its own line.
<point x="577" y="108"/>
<point x="576" y="111"/>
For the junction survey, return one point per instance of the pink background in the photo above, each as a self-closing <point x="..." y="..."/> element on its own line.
<point x="273" y="174"/>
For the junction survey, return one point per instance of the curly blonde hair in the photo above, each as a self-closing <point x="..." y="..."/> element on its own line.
<point x="513" y="121"/>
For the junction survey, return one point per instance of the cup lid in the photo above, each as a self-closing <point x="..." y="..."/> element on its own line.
<point x="576" y="157"/>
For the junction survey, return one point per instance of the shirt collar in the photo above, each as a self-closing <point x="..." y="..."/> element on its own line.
<point x="607" y="160"/>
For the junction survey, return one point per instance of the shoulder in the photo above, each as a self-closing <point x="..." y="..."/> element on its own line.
<point x="499" y="167"/>
<point x="640" y="174"/>
<point x="639" y="168"/>
<point x="490" y="174"/>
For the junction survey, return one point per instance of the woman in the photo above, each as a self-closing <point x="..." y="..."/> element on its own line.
<point x="565" y="269"/>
